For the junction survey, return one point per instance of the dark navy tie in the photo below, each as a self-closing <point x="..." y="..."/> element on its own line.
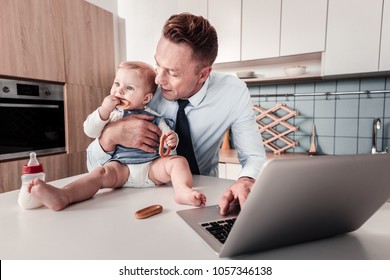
<point x="185" y="148"/>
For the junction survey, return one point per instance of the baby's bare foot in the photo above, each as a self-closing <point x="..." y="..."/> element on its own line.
<point x="52" y="197"/>
<point x="190" y="197"/>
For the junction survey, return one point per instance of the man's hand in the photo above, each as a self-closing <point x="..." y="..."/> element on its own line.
<point x="133" y="131"/>
<point x="238" y="191"/>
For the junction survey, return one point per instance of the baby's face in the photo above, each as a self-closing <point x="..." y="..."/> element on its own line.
<point x="129" y="89"/>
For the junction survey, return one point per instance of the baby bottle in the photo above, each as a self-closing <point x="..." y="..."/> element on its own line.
<point x="32" y="170"/>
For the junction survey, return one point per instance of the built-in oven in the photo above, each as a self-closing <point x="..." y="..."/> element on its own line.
<point x="32" y="118"/>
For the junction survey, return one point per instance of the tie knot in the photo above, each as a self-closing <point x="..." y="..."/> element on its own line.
<point x="182" y="103"/>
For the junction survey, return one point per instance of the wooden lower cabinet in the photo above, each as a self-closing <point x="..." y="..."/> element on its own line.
<point x="55" y="167"/>
<point x="77" y="163"/>
<point x="80" y="102"/>
<point x="10" y="173"/>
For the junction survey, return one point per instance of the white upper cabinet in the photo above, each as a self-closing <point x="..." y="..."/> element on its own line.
<point x="303" y="27"/>
<point x="260" y="29"/>
<point x="272" y="28"/>
<point x="384" y="62"/>
<point x="225" y="16"/>
<point x="353" y="37"/>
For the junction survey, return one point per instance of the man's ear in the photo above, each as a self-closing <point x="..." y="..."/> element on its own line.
<point x="148" y="97"/>
<point x="204" y="74"/>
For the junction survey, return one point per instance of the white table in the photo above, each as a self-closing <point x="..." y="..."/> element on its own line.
<point x="104" y="227"/>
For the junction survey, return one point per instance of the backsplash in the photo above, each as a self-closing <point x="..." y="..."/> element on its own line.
<point x="344" y="123"/>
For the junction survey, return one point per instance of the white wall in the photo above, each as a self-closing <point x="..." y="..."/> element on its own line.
<point x="111" y="6"/>
<point x="133" y="12"/>
<point x="129" y="36"/>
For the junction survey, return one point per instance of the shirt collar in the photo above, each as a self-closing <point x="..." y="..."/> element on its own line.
<point x="198" y="97"/>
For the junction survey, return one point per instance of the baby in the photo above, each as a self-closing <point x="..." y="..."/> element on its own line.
<point x="131" y="91"/>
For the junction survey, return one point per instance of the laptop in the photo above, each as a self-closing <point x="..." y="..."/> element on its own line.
<point x="297" y="200"/>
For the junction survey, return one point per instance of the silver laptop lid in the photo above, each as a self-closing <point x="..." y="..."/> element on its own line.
<point x="303" y="199"/>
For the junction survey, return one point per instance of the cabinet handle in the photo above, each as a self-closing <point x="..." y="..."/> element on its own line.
<point x="16" y="105"/>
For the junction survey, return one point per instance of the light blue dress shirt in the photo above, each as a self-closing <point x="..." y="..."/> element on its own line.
<point x="222" y="103"/>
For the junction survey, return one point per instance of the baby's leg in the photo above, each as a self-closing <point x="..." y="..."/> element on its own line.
<point x="176" y="169"/>
<point x="111" y="175"/>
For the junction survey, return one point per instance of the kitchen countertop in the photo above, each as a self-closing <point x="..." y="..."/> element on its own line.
<point x="230" y="156"/>
<point x="104" y="227"/>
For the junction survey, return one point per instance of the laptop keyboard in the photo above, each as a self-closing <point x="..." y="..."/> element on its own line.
<point x="219" y="229"/>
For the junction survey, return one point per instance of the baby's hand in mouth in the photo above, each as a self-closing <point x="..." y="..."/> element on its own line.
<point x="123" y="103"/>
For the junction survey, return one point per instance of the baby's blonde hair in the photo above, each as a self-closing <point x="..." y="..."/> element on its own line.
<point x="145" y="72"/>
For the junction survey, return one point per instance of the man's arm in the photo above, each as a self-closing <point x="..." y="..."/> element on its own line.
<point x="135" y="131"/>
<point x="251" y="153"/>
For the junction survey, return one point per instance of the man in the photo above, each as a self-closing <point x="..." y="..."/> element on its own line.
<point x="184" y="56"/>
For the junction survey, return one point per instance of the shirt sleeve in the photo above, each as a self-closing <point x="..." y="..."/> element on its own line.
<point x="96" y="156"/>
<point x="94" y="125"/>
<point x="247" y="138"/>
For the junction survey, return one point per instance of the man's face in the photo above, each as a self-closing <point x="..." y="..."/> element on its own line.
<point x="176" y="70"/>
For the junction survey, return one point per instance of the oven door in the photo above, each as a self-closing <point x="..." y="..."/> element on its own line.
<point x="31" y="125"/>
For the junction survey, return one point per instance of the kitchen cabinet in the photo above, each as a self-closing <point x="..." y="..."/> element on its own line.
<point x="260" y="29"/>
<point x="353" y="42"/>
<point x="276" y="33"/>
<point x="273" y="28"/>
<point x="384" y="60"/>
<point x="87" y="63"/>
<point x="10" y="173"/>
<point x="303" y="26"/>
<point x="77" y="163"/>
<point x="233" y="171"/>
<point x="55" y="166"/>
<point x="229" y="167"/>
<point x="88" y="44"/>
<point x="57" y="40"/>
<point x="31" y="44"/>
<point x="229" y="170"/>
<point x="249" y="30"/>
<point x="225" y="16"/>
<point x="86" y="99"/>
<point x="222" y="170"/>
<point x="90" y="71"/>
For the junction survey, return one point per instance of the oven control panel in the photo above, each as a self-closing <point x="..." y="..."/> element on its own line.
<point x="30" y="90"/>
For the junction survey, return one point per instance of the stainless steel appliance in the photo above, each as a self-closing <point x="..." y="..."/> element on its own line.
<point x="32" y="118"/>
